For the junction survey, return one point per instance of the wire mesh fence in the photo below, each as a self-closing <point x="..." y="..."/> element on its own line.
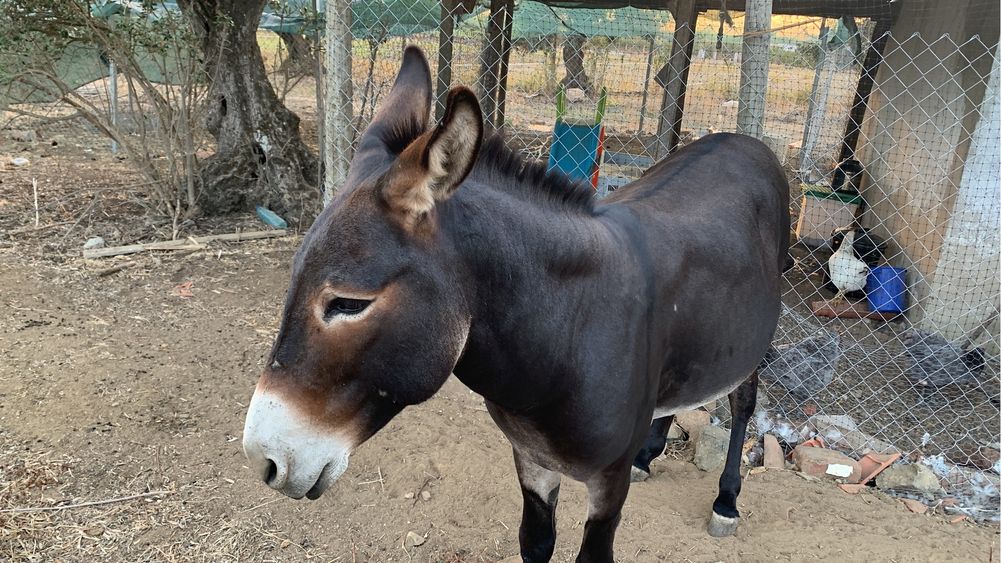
<point x="889" y="135"/>
<point x="908" y="361"/>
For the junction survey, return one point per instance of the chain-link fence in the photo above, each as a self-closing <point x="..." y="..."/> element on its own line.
<point x="889" y="136"/>
<point x="888" y="127"/>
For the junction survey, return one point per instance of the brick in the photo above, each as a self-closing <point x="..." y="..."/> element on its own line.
<point x="774" y="457"/>
<point x="826" y="464"/>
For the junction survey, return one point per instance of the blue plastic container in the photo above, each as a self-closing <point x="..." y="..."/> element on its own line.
<point x="886" y="289"/>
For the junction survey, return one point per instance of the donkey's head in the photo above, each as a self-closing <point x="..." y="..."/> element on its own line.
<point x="374" y="319"/>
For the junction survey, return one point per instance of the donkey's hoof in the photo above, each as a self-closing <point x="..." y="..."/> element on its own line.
<point x="637" y="475"/>
<point x="722" y="526"/>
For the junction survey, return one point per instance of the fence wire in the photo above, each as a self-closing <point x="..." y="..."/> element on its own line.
<point x="923" y="196"/>
<point x="916" y="183"/>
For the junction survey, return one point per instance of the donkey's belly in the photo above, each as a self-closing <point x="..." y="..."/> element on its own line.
<point x="668" y="407"/>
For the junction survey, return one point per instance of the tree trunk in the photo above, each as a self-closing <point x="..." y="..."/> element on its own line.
<point x="260" y="158"/>
<point x="298" y="54"/>
<point x="573" y="60"/>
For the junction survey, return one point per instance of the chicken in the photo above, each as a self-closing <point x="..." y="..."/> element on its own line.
<point x="936" y="362"/>
<point x="806" y="367"/>
<point x="848" y="273"/>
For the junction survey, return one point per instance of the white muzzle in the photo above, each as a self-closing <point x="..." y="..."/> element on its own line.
<point x="293" y="454"/>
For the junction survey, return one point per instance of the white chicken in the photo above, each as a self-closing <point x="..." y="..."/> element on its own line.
<point x="848" y="273"/>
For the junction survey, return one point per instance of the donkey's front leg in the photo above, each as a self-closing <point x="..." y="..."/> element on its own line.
<point x="540" y="488"/>
<point x="606" y="493"/>
<point x="725" y="516"/>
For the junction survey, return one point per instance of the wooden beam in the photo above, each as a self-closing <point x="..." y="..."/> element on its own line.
<point x="180" y="244"/>
<point x="754" y="68"/>
<point x="490" y="57"/>
<point x="505" y="59"/>
<point x="446" y="34"/>
<point x="646" y="82"/>
<point x="870" y="66"/>
<point x="338" y="108"/>
<point x="674" y="79"/>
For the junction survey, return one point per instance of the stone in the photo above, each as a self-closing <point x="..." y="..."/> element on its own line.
<point x="20" y="161"/>
<point x="425" y="495"/>
<point x="408" y="496"/>
<point x="910" y="477"/>
<point x="915" y="506"/>
<point x="93" y="242"/>
<point x="24" y="136"/>
<point x="774" y="457"/>
<point x="826" y="464"/>
<point x="675" y="432"/>
<point x="414" y="539"/>
<point x="692" y="422"/>
<point x="710" y="448"/>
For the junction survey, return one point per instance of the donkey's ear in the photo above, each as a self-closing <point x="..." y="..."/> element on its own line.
<point x="452" y="149"/>
<point x="403" y="115"/>
<point x="432" y="168"/>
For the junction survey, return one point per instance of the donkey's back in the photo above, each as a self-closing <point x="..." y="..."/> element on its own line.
<point x="715" y="220"/>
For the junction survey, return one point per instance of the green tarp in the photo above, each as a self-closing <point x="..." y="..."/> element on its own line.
<point x="372" y="19"/>
<point x="533" y="20"/>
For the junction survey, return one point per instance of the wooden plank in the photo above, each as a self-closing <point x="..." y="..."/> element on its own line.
<point x="446" y="44"/>
<point x="180" y="244"/>
<point x="847" y="310"/>
<point x="674" y="79"/>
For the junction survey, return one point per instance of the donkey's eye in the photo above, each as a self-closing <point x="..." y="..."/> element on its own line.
<point x="345" y="306"/>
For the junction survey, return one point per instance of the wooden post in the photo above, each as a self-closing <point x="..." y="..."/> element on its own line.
<point x="754" y="68"/>
<point x="674" y="77"/>
<point x="446" y="34"/>
<point x="646" y="82"/>
<point x="490" y="57"/>
<point x="338" y="110"/>
<point x="318" y="83"/>
<point x="505" y="59"/>
<point x="816" y="109"/>
<point x="873" y="58"/>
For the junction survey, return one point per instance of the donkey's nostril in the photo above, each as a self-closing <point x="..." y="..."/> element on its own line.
<point x="269" y="478"/>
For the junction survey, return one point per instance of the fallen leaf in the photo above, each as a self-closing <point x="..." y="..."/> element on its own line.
<point x="915" y="506"/>
<point x="958" y="519"/>
<point x="183" y="290"/>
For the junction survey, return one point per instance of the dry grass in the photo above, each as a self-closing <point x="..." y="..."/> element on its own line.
<point x="41" y="520"/>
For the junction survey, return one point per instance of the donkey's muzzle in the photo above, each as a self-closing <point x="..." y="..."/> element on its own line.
<point x="289" y="452"/>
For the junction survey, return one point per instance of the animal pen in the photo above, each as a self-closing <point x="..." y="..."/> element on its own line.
<point x="884" y="114"/>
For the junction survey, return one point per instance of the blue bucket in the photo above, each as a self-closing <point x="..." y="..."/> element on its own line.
<point x="886" y="289"/>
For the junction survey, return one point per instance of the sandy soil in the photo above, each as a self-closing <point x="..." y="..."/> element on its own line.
<point x="114" y="386"/>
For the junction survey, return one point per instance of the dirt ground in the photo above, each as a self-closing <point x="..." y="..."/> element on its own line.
<point x="118" y="385"/>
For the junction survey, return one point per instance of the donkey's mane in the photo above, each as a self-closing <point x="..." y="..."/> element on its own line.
<point x="497" y="162"/>
<point x="499" y="165"/>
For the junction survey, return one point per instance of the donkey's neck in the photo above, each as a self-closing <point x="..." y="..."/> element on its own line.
<point x="528" y="270"/>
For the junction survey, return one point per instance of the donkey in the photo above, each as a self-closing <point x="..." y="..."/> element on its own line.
<point x="585" y="326"/>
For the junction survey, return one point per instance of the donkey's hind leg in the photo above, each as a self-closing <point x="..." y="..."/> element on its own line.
<point x="655" y="443"/>
<point x="725" y="516"/>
